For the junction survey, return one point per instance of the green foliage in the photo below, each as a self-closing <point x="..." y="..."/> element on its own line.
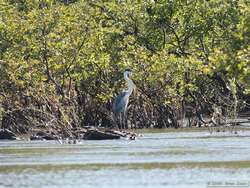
<point x="80" y="48"/>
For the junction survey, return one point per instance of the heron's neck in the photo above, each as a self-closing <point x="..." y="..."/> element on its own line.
<point x="131" y="84"/>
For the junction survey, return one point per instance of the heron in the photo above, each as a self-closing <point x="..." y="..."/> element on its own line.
<point x="120" y="104"/>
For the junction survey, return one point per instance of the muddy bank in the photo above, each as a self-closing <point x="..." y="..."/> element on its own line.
<point x="35" y="124"/>
<point x="88" y="133"/>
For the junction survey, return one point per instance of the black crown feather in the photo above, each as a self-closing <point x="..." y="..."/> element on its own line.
<point x="129" y="70"/>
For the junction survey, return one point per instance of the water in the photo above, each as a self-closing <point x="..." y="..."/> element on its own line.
<point x="170" y="159"/>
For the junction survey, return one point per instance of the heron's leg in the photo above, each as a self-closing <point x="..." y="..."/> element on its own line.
<point x="125" y="121"/>
<point x="114" y="122"/>
<point x="117" y="121"/>
<point x="122" y="120"/>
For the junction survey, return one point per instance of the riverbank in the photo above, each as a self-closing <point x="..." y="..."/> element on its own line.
<point x="62" y="133"/>
<point x="92" y="133"/>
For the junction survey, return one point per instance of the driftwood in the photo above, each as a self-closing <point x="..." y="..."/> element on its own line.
<point x="97" y="134"/>
<point x="7" y="134"/>
<point x="79" y="134"/>
<point x="100" y="135"/>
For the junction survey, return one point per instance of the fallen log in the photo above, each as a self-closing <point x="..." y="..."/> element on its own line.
<point x="100" y="135"/>
<point x="7" y="134"/>
<point x="116" y="132"/>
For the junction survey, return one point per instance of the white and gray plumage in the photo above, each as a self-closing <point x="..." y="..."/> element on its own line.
<point x="121" y="102"/>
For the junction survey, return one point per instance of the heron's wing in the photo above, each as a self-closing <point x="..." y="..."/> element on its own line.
<point x="120" y="102"/>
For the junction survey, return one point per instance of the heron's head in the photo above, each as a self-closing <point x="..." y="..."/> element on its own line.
<point x="127" y="73"/>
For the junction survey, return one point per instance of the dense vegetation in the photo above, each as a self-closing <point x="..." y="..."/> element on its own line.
<point x="61" y="61"/>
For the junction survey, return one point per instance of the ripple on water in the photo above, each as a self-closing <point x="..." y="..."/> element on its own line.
<point x="172" y="159"/>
